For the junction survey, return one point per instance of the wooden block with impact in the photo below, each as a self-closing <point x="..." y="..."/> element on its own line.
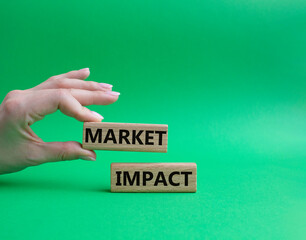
<point x="153" y="177"/>
<point x="125" y="137"/>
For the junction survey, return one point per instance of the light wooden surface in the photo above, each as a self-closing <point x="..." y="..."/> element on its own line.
<point x="153" y="177"/>
<point x="125" y="137"/>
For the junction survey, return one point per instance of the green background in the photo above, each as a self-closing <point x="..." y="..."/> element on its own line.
<point x="228" y="77"/>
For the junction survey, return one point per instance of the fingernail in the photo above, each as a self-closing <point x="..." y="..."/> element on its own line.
<point x="84" y="69"/>
<point x="113" y="93"/>
<point x="97" y="115"/>
<point x="88" y="158"/>
<point x="106" y="85"/>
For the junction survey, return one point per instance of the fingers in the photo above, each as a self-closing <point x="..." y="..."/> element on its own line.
<point x="70" y="102"/>
<point x="80" y="84"/>
<point x="73" y="80"/>
<point x="68" y="83"/>
<point x="63" y="151"/>
<point x="34" y="105"/>
<point x="78" y="74"/>
<point x="70" y="106"/>
<point x="44" y="102"/>
<point x="86" y="98"/>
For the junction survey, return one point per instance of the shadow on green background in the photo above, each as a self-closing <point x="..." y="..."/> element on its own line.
<point x="228" y="77"/>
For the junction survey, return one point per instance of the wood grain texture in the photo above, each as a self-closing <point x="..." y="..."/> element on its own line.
<point x="153" y="177"/>
<point x="125" y="137"/>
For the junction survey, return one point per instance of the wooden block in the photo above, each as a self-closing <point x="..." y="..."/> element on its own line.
<point x="153" y="177"/>
<point x="125" y="137"/>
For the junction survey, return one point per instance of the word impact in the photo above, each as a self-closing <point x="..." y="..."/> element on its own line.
<point x="153" y="177"/>
<point x="148" y="176"/>
<point x="125" y="137"/>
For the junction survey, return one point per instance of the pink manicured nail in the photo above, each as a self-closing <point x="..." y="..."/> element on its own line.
<point x="87" y="158"/>
<point x="84" y="69"/>
<point x="106" y="85"/>
<point x="113" y="93"/>
<point x="97" y="115"/>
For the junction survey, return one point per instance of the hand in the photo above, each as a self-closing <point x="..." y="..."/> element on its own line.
<point x="20" y="147"/>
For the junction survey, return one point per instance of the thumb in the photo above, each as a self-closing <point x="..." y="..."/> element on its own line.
<point x="62" y="151"/>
